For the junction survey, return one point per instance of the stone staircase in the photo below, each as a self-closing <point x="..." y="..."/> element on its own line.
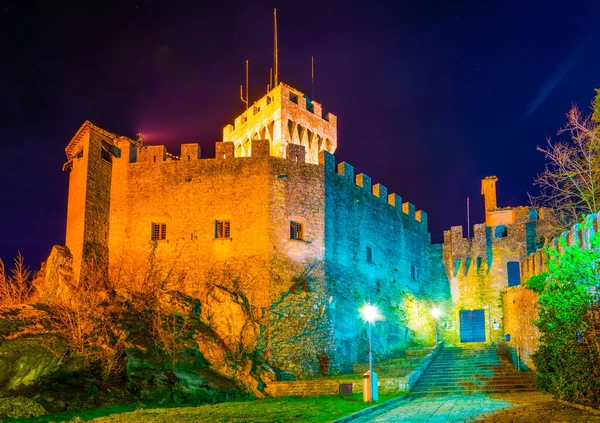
<point x="471" y="369"/>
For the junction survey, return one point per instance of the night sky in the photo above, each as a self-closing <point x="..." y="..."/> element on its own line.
<point x="431" y="96"/>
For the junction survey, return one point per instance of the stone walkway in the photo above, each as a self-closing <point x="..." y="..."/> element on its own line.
<point x="489" y="408"/>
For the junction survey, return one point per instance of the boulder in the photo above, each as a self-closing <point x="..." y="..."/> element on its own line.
<point x="20" y="407"/>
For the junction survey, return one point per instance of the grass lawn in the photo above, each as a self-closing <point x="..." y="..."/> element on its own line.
<point x="296" y="409"/>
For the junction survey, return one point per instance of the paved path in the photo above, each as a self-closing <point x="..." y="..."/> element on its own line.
<point x="489" y="408"/>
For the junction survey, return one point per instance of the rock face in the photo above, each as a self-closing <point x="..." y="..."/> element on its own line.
<point x="20" y="407"/>
<point x="227" y="314"/>
<point x="217" y="364"/>
<point x="192" y="382"/>
<point x="23" y="360"/>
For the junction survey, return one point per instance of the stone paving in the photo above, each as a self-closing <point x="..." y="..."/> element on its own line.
<point x="489" y="408"/>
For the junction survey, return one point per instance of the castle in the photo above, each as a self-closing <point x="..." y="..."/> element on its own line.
<point x="299" y="240"/>
<point x="304" y="240"/>
<point x="481" y="267"/>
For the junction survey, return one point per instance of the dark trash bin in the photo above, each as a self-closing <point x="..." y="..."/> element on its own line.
<point x="345" y="389"/>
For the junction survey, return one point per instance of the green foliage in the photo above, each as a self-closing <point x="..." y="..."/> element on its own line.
<point x="537" y="283"/>
<point x="568" y="359"/>
<point x="596" y="113"/>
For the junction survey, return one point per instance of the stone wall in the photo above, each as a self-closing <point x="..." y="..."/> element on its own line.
<point x="519" y="306"/>
<point x="361" y="216"/>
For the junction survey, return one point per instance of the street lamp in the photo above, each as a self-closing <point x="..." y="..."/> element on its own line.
<point x="435" y="312"/>
<point x="371" y="314"/>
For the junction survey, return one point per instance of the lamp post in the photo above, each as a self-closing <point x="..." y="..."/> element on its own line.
<point x="435" y="312"/>
<point x="370" y="314"/>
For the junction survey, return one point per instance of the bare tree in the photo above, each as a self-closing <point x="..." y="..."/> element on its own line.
<point x="570" y="182"/>
<point x="171" y="331"/>
<point x="15" y="288"/>
<point x="86" y="320"/>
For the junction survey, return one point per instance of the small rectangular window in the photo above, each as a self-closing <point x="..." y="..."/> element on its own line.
<point x="294" y="98"/>
<point x="132" y="153"/>
<point x="296" y="230"/>
<point x="106" y="156"/>
<point x="500" y="231"/>
<point x="309" y="104"/>
<point x="222" y="229"/>
<point x="159" y="231"/>
<point x="413" y="272"/>
<point x="513" y="269"/>
<point x="369" y="255"/>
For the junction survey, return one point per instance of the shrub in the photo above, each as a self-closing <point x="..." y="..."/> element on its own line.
<point x="568" y="359"/>
<point x="537" y="283"/>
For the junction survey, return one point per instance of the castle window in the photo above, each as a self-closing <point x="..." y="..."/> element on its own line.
<point x="132" y="153"/>
<point x="413" y="272"/>
<point x="106" y="156"/>
<point x="256" y="109"/>
<point x="309" y="104"/>
<point x="109" y="150"/>
<point x="268" y="100"/>
<point x="513" y="269"/>
<point x="294" y="98"/>
<point x="159" y="231"/>
<point x="80" y="154"/>
<point x="222" y="229"/>
<point x="296" y="230"/>
<point x="500" y="231"/>
<point x="369" y="254"/>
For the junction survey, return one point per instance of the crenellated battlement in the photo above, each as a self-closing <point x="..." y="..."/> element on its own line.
<point x="156" y="154"/>
<point x="579" y="234"/>
<point x="284" y="116"/>
<point x="346" y="172"/>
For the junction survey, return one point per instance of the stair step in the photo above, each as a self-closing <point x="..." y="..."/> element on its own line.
<point x="470" y="370"/>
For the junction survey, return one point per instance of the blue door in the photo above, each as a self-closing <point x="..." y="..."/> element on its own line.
<point x="472" y="326"/>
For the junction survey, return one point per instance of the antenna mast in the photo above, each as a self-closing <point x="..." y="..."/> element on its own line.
<point x="468" y="219"/>
<point x="241" y="90"/>
<point x="270" y="86"/>
<point x="276" y="52"/>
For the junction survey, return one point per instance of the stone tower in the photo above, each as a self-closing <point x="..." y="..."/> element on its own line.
<point x="488" y="190"/>
<point x="90" y="156"/>
<point x="284" y="116"/>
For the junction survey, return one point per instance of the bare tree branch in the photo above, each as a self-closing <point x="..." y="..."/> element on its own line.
<point x="570" y="182"/>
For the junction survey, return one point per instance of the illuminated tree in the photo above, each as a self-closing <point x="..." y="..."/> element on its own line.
<point x="568" y="358"/>
<point x="570" y="182"/>
<point x="16" y="287"/>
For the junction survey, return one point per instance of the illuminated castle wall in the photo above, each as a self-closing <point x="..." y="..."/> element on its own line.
<point x="301" y="231"/>
<point x="478" y="267"/>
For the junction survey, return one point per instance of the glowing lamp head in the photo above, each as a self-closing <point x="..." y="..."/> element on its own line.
<point x="435" y="312"/>
<point x="370" y="313"/>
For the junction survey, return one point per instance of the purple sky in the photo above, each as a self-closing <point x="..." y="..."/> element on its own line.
<point x="431" y="96"/>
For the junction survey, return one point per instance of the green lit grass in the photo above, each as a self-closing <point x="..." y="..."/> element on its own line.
<point x="297" y="409"/>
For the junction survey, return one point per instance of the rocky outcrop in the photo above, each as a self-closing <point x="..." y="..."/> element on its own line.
<point x="23" y="358"/>
<point x="20" y="407"/>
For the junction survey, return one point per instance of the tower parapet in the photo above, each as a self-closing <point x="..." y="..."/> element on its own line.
<point x="284" y="116"/>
